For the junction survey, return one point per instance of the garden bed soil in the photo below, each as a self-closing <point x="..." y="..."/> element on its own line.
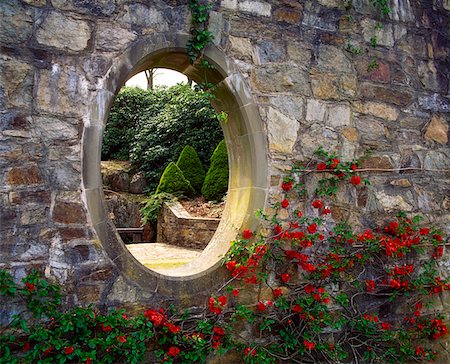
<point x="199" y="207"/>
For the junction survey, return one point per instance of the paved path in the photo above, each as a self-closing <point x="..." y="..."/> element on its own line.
<point x="162" y="256"/>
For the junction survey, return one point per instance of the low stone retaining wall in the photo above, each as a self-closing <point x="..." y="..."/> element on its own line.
<point x="177" y="227"/>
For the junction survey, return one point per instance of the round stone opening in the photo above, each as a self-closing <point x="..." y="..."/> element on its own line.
<point x="247" y="155"/>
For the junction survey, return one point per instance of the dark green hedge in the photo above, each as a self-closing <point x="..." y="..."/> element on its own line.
<point x="192" y="168"/>
<point x="216" y="180"/>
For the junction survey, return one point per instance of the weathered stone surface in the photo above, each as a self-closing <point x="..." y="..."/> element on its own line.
<point x="292" y="106"/>
<point x="241" y="47"/>
<point x="26" y="175"/>
<point x="24" y="197"/>
<point x="299" y="53"/>
<point x="94" y="7"/>
<point x="269" y="51"/>
<point x="64" y="33"/>
<point x="384" y="35"/>
<point x="282" y="131"/>
<point x="68" y="213"/>
<point x="255" y="7"/>
<point x="56" y="129"/>
<point x="371" y="129"/>
<point x="34" y="215"/>
<point x="398" y="96"/>
<point x="16" y="81"/>
<point x="320" y="18"/>
<point x="138" y="183"/>
<point x="229" y="4"/>
<point x="38" y="3"/>
<point x="377" y="109"/>
<point x="392" y="203"/>
<point x="16" y="22"/>
<point x="351" y="134"/>
<point x="339" y="115"/>
<point x="281" y="78"/>
<point x="332" y="58"/>
<point x="62" y="90"/>
<point x="316" y="136"/>
<point x="435" y="103"/>
<point x="436" y="160"/>
<point x="324" y="85"/>
<point x="139" y="15"/>
<point x="402" y="182"/>
<point x="429" y="76"/>
<point x="112" y="38"/>
<point x="378" y="162"/>
<point x="437" y="130"/>
<point x="315" y="110"/>
<point x="290" y="16"/>
<point x="122" y="292"/>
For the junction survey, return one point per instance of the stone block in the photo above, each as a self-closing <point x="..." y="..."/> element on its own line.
<point x="291" y="106"/>
<point x="91" y="7"/>
<point x="338" y="115"/>
<point x="56" y="129"/>
<point x="378" y="162"/>
<point x="281" y="78"/>
<point x="371" y="130"/>
<point x="25" y="197"/>
<point x="377" y="109"/>
<point x="437" y="130"/>
<point x="229" y="4"/>
<point x="331" y="58"/>
<point x="392" y="203"/>
<point x="241" y="47"/>
<point x="299" y="53"/>
<point x="255" y="7"/>
<point x="65" y="33"/>
<point x="16" y="22"/>
<point x="435" y="103"/>
<point x="269" y="51"/>
<point x="286" y="15"/>
<point x="68" y="213"/>
<point x="112" y="38"/>
<point x="384" y="34"/>
<point x="316" y="136"/>
<point x="142" y="16"/>
<point x="315" y="110"/>
<point x="324" y="85"/>
<point x="351" y="134"/>
<point x="16" y="81"/>
<point x="397" y="96"/>
<point x="26" y="175"/>
<point x="282" y="131"/>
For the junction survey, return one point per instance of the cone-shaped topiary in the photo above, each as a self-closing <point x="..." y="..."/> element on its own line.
<point x="192" y="168"/>
<point x="173" y="181"/>
<point x="216" y="180"/>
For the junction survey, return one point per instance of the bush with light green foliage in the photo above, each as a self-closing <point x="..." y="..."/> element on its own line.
<point x="216" y="181"/>
<point x="173" y="181"/>
<point x="192" y="168"/>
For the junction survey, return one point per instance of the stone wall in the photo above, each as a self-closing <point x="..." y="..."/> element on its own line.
<point x="177" y="227"/>
<point x="296" y="66"/>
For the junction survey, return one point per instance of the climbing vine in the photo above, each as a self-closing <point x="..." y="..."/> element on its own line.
<point x="304" y="288"/>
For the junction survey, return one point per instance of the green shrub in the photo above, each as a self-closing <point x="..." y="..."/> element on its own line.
<point x="192" y="168"/>
<point x="216" y="180"/>
<point x="152" y="206"/>
<point x="130" y="105"/>
<point x="173" y="181"/>
<point x="187" y="118"/>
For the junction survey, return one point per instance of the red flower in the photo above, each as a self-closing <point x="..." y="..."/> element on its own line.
<point x="173" y="328"/>
<point x="88" y="361"/>
<point x="312" y="228"/>
<point x="277" y="292"/>
<point x="222" y="300"/>
<point x="48" y="350"/>
<point x="355" y="180"/>
<point x="317" y="204"/>
<point x="385" y="326"/>
<point x="326" y="211"/>
<point x="299" y="214"/>
<point x="107" y="328"/>
<point x="219" y="331"/>
<point x="173" y="351"/>
<point x="309" y="344"/>
<point x="297" y="308"/>
<point x="335" y="163"/>
<point x="424" y="231"/>
<point x="309" y="288"/>
<point x="215" y="344"/>
<point x="285" y="277"/>
<point x="231" y="265"/>
<point x="250" y="351"/>
<point x="286" y="185"/>
<point x="277" y="229"/>
<point x="30" y="286"/>
<point x="68" y="350"/>
<point x="235" y="292"/>
<point x="261" y="306"/>
<point x="247" y="234"/>
<point x="122" y="339"/>
<point x="321" y="166"/>
<point x="370" y="285"/>
<point x="354" y="167"/>
<point x="284" y="203"/>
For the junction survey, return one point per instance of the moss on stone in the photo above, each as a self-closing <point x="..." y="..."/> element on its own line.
<point x="216" y="180"/>
<point x="192" y="168"/>
<point x="173" y="181"/>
